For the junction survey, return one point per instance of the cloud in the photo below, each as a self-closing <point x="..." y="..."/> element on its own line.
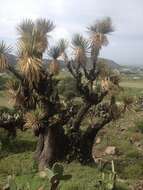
<point x="73" y="16"/>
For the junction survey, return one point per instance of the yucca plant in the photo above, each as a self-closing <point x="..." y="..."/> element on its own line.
<point x="54" y="53"/>
<point x="80" y="46"/>
<point x="39" y="86"/>
<point x="99" y="30"/>
<point x="56" y="174"/>
<point x="107" y="181"/>
<point x="4" y="50"/>
<point x="31" y="68"/>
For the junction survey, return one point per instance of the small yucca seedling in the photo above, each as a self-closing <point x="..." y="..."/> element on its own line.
<point x="56" y="174"/>
<point x="107" y="182"/>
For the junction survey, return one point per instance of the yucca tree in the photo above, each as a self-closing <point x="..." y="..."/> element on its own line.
<point x="4" y="50"/>
<point x="35" y="90"/>
<point x="80" y="46"/>
<point x="55" y="52"/>
<point x="33" y="86"/>
<point x="98" y="36"/>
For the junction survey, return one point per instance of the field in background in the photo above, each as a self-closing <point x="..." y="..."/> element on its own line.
<point x="132" y="84"/>
<point x="16" y="156"/>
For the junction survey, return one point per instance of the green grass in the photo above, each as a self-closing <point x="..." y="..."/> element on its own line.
<point x="132" y="84"/>
<point x="16" y="155"/>
<point x="17" y="158"/>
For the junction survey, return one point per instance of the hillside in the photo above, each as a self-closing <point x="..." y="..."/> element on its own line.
<point x="12" y="59"/>
<point x="111" y="64"/>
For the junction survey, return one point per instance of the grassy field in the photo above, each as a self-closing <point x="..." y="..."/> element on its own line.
<point x="132" y="84"/>
<point x="16" y="155"/>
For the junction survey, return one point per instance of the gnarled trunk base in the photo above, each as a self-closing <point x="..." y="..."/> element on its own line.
<point x="50" y="146"/>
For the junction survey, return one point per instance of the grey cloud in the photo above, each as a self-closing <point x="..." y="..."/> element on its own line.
<point x="71" y="16"/>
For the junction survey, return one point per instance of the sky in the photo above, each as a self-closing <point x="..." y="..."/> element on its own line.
<point x="73" y="16"/>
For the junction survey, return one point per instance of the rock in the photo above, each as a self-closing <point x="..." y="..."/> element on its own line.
<point x="6" y="187"/>
<point x="138" y="144"/>
<point x="98" y="140"/>
<point x="123" y="129"/>
<point x="43" y="174"/>
<point x="97" y="160"/>
<point x="110" y="150"/>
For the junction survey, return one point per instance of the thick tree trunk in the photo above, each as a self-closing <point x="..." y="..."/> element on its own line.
<point x="88" y="138"/>
<point x="87" y="142"/>
<point x="50" y="146"/>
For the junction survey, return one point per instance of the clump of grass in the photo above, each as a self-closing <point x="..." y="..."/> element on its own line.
<point x="73" y="186"/>
<point x="133" y="171"/>
<point x="139" y="125"/>
<point x="133" y="154"/>
<point x="122" y="186"/>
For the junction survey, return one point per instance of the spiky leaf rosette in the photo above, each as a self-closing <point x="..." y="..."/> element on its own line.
<point x="80" y="46"/>
<point x="62" y="44"/>
<point x="43" y="27"/>
<point x="103" y="26"/>
<point x="35" y="33"/>
<point x="34" y="119"/>
<point x="54" y="53"/>
<point x="98" y="32"/>
<point x="31" y="68"/>
<point x="4" y="50"/>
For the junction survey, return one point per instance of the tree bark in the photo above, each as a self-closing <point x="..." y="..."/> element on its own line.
<point x="88" y="138"/>
<point x="50" y="146"/>
<point x="80" y="115"/>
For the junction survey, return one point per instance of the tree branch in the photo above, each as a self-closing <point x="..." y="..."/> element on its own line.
<point x="80" y="115"/>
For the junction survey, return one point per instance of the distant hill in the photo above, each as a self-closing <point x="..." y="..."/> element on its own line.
<point x="111" y="64"/>
<point x="12" y="59"/>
